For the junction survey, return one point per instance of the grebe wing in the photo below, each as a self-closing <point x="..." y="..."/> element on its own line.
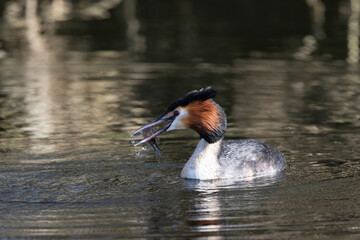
<point x="250" y="156"/>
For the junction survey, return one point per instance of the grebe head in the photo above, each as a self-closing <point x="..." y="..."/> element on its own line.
<point x="197" y="111"/>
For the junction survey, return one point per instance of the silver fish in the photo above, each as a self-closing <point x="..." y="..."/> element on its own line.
<point x="147" y="132"/>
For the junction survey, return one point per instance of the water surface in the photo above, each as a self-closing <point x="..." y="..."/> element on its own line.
<point x="68" y="168"/>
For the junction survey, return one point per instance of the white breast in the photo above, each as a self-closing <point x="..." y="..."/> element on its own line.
<point x="203" y="164"/>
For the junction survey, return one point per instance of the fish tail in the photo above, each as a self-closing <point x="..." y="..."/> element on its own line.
<point x="158" y="152"/>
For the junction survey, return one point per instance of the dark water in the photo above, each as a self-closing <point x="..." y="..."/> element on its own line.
<point x="68" y="168"/>
<point x="71" y="93"/>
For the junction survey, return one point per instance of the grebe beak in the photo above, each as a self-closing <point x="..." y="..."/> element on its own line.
<point x="154" y="123"/>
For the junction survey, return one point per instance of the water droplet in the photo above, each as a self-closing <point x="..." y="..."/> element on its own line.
<point x="132" y="141"/>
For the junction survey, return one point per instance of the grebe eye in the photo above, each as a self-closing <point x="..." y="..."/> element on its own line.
<point x="176" y="113"/>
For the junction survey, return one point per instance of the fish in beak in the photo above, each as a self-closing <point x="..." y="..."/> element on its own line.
<point x="156" y="122"/>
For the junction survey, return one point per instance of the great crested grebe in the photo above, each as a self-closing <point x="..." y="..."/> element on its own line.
<point x="214" y="157"/>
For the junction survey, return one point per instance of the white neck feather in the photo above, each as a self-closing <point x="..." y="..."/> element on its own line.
<point x="203" y="164"/>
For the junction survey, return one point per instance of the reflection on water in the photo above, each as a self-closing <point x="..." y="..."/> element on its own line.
<point x="136" y="40"/>
<point x="79" y="176"/>
<point x="354" y="32"/>
<point x="38" y="77"/>
<point x="177" y="31"/>
<point x="69" y="170"/>
<point x="208" y="213"/>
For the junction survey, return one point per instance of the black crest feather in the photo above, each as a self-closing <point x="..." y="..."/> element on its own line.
<point x="195" y="95"/>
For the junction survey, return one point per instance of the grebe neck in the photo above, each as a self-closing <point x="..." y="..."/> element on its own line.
<point x="203" y="164"/>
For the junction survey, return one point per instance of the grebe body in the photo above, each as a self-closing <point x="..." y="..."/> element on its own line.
<point x="236" y="159"/>
<point x="214" y="157"/>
